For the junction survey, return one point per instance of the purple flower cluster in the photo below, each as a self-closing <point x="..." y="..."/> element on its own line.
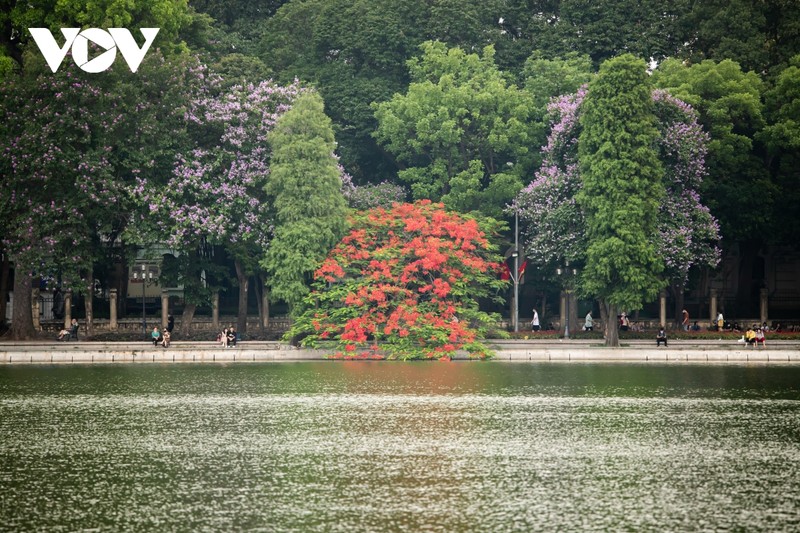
<point x="553" y="225"/>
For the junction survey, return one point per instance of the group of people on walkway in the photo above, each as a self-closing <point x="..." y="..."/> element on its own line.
<point x="228" y="337"/>
<point x="754" y="336"/>
<point x="163" y="338"/>
<point x="71" y="332"/>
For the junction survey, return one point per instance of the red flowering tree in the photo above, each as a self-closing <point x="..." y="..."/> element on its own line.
<point x="405" y="284"/>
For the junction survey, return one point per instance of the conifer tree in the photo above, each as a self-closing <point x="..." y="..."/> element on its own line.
<point x="306" y="185"/>
<point x="622" y="189"/>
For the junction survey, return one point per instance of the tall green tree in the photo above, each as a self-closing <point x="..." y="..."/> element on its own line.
<point x="461" y="132"/>
<point x="781" y="139"/>
<point x="739" y="190"/>
<point x="622" y="189"/>
<point x="306" y="188"/>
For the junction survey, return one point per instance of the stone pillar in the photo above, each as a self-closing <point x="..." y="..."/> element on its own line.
<point x="113" y="324"/>
<point x="562" y="313"/>
<point x="164" y="309"/>
<point x="36" y="309"/>
<point x="712" y="307"/>
<point x="764" y="306"/>
<point x="67" y="309"/>
<point x="662" y="309"/>
<point x="215" y="310"/>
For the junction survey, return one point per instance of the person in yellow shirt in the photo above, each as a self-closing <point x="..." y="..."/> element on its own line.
<point x="750" y="337"/>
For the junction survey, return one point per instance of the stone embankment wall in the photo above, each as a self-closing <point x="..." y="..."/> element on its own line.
<point x="780" y="352"/>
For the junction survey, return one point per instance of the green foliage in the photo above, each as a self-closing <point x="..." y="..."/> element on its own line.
<point x="309" y="207"/>
<point x="459" y="130"/>
<point x="549" y="78"/>
<point x="605" y="28"/>
<point x="405" y="283"/>
<point x="622" y="186"/>
<point x="76" y="145"/>
<point x="731" y="110"/>
<point x="7" y="66"/>
<point x="756" y="35"/>
<point x="781" y="138"/>
<point x="169" y="15"/>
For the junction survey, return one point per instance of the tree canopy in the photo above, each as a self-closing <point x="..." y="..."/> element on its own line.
<point x="459" y="130"/>
<point x="622" y="188"/>
<point x="404" y="283"/>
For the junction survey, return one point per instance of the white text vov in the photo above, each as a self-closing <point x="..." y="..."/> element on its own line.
<point x="111" y="40"/>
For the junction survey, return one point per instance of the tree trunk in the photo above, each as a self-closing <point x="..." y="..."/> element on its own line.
<point x="263" y="304"/>
<point x="544" y="311"/>
<point x="121" y="275"/>
<point x="612" y="331"/>
<point x="5" y="269"/>
<point x="572" y="319"/>
<point x="22" y="321"/>
<point x="243" y="278"/>
<point x="679" y="301"/>
<point x="88" y="304"/>
<point x="746" y="304"/>
<point x="186" y="319"/>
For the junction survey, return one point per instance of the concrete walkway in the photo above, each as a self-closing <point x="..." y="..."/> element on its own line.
<point x="776" y="351"/>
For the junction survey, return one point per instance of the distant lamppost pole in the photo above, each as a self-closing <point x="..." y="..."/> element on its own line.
<point x="144" y="282"/>
<point x="566" y="272"/>
<point x="515" y="274"/>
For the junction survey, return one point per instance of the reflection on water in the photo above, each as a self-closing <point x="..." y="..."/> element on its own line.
<point x="400" y="447"/>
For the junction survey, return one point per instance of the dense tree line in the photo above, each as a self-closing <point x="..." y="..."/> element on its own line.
<point x="448" y="99"/>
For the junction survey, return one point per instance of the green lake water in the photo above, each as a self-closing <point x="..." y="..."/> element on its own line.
<point x="378" y="446"/>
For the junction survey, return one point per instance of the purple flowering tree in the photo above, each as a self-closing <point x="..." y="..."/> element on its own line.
<point x="72" y="145"/>
<point x="553" y="225"/>
<point x="215" y="195"/>
<point x="371" y="195"/>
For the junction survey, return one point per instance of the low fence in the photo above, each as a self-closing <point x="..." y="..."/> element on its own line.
<point x="201" y="323"/>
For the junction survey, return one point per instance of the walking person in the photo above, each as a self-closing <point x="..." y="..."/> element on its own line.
<point x="588" y="324"/>
<point x="625" y="323"/>
<point x="685" y="321"/>
<point x="535" y="326"/>
<point x="720" y="321"/>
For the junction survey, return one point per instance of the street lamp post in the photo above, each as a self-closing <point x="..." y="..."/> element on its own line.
<point x="144" y="282"/>
<point x="515" y="275"/>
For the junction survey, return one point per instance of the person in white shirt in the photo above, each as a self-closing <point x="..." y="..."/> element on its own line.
<point x="535" y="326"/>
<point x="588" y="325"/>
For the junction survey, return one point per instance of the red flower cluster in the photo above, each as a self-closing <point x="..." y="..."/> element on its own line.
<point x="405" y="282"/>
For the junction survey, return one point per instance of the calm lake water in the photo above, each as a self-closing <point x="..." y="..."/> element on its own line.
<point x="449" y="447"/>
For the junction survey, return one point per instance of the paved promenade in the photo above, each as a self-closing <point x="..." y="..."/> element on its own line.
<point x="777" y="351"/>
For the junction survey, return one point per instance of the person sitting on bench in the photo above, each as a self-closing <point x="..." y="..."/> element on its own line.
<point x="661" y="336"/>
<point x="156" y="335"/>
<point x="231" y="336"/>
<point x="750" y="337"/>
<point x="69" y="334"/>
<point x="760" y="339"/>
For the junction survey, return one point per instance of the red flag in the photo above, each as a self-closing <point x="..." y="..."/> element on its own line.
<point x="506" y="273"/>
<point x="522" y="267"/>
